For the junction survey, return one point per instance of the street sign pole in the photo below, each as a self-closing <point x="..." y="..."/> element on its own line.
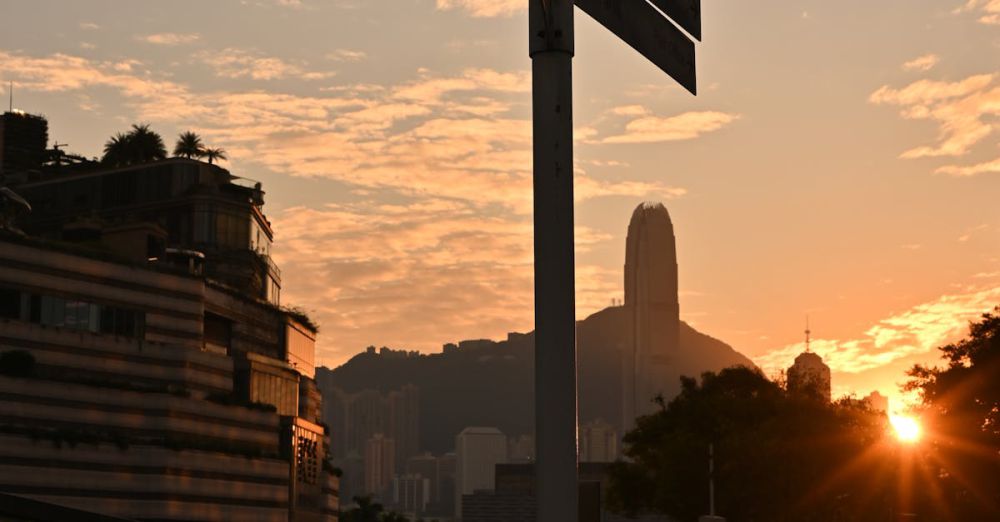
<point x="551" y="50"/>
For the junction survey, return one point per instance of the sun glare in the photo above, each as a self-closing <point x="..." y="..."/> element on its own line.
<point x="907" y="428"/>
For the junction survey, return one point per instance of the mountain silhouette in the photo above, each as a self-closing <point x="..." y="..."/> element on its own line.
<point x="490" y="383"/>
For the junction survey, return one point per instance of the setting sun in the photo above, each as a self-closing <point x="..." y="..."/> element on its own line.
<point x="907" y="429"/>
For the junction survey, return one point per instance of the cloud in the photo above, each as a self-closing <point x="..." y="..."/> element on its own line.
<point x="916" y="331"/>
<point x="385" y="274"/>
<point x="987" y="10"/>
<point x="170" y="38"/>
<point x="970" y="170"/>
<point x="89" y="26"/>
<point x="239" y="63"/>
<point x="965" y="112"/>
<point x="686" y="126"/>
<point x="922" y="63"/>
<point x="484" y="8"/>
<point x="451" y="152"/>
<point x="346" y="55"/>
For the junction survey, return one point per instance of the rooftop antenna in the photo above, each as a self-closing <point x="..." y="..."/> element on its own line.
<point x="808" y="331"/>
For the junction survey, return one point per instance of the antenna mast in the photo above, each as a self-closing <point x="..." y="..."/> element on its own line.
<point x="808" y="331"/>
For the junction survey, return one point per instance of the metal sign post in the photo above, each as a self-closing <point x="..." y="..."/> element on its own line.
<point x="551" y="49"/>
<point x="550" y="24"/>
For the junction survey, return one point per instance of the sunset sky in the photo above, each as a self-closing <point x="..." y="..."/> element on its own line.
<point x="841" y="161"/>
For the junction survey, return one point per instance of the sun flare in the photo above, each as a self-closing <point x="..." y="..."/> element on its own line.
<point x="907" y="429"/>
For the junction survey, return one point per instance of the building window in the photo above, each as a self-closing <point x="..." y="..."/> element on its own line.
<point x="70" y="313"/>
<point x="10" y="304"/>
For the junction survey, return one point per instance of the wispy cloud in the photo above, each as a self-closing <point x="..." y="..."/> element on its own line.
<point x="346" y="55"/>
<point x="686" y="126"/>
<point x="484" y="8"/>
<point x="965" y="112"/>
<point x="922" y="63"/>
<point x="170" y="38"/>
<point x="89" y="26"/>
<point x="970" y="170"/>
<point x="240" y="63"/>
<point x="919" y="330"/>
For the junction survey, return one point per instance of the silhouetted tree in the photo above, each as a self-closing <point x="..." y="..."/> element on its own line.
<point x="778" y="456"/>
<point x="961" y="418"/>
<point x="215" y="154"/>
<point x="139" y="145"/>
<point x="365" y="511"/>
<point x="189" y="146"/>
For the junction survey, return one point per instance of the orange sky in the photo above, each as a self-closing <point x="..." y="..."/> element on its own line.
<point x="840" y="161"/>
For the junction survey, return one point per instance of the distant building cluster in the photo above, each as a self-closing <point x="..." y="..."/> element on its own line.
<point x="148" y="367"/>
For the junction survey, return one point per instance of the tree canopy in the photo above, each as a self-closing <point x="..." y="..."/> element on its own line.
<point x="189" y="146"/>
<point x="778" y="456"/>
<point x="139" y="145"/>
<point x="961" y="418"/>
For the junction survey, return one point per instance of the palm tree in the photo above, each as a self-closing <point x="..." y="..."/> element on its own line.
<point x="145" y="144"/>
<point x="139" y="145"/>
<point x="116" y="151"/>
<point x="215" y="154"/>
<point x="189" y="146"/>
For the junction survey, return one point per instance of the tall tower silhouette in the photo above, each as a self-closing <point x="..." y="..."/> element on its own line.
<point x="651" y="298"/>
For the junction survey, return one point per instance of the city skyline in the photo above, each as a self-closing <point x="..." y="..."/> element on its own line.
<point x="855" y="188"/>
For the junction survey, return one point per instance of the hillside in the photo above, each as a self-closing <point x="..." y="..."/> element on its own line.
<point x="487" y="383"/>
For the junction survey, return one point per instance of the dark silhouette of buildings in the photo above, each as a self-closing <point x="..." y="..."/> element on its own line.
<point x="651" y="298"/>
<point x="513" y="499"/>
<point x="625" y="355"/>
<point x="146" y="374"/>
<point x="23" y="141"/>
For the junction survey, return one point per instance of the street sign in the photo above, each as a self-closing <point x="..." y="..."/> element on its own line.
<point x="550" y="45"/>
<point x="649" y="32"/>
<point x="686" y="13"/>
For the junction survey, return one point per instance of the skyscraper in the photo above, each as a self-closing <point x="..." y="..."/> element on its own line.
<point x="479" y="451"/>
<point x="380" y="462"/>
<point x="651" y="297"/>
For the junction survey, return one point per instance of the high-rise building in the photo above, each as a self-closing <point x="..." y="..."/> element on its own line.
<point x="357" y="417"/>
<point x="403" y="415"/>
<point x="425" y="465"/>
<point x="447" y="469"/>
<point x="651" y="298"/>
<point x="809" y="375"/>
<point x="23" y="141"/>
<point x="598" y="442"/>
<point x="380" y="464"/>
<point x="411" y="494"/>
<point x="479" y="450"/>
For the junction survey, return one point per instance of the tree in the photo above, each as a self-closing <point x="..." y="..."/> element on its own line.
<point x="778" y="456"/>
<point x="189" y="146"/>
<point x="215" y="154"/>
<point x="139" y="145"/>
<point x="365" y="511"/>
<point x="961" y="417"/>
